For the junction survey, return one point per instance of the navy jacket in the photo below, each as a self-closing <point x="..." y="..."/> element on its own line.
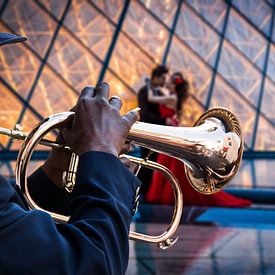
<point x="94" y="241"/>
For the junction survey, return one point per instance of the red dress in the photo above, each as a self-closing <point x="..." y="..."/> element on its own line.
<point x="161" y="192"/>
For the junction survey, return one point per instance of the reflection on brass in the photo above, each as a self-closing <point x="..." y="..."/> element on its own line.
<point x="212" y="151"/>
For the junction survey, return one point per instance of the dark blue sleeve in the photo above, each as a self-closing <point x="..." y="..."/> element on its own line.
<point x="94" y="241"/>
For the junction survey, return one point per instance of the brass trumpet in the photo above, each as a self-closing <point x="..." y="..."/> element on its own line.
<point x="212" y="151"/>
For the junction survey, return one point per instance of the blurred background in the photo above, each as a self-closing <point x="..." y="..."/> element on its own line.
<point x="224" y="48"/>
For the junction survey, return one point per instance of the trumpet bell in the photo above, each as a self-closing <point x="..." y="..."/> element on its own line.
<point x="212" y="149"/>
<point x="221" y="156"/>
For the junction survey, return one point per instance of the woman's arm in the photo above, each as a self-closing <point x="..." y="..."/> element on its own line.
<point x="163" y="99"/>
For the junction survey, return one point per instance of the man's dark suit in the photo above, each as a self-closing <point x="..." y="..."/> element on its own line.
<point x="94" y="241"/>
<point x="149" y="113"/>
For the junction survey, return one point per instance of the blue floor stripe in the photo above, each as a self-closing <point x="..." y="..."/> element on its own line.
<point x="245" y="218"/>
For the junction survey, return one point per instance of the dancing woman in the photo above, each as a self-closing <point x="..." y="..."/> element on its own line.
<point x="171" y="104"/>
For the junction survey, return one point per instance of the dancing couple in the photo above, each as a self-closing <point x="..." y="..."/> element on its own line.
<point x="162" y="102"/>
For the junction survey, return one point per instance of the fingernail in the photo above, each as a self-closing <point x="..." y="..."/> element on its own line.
<point x="127" y="141"/>
<point x="102" y="83"/>
<point x="137" y="109"/>
<point x="115" y="97"/>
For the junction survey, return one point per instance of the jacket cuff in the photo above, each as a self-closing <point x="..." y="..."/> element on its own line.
<point x="109" y="174"/>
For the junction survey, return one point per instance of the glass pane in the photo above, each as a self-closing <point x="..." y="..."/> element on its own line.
<point x="10" y="109"/>
<point x="271" y="63"/>
<point x="256" y="11"/>
<point x="129" y="99"/>
<point x="201" y="38"/>
<point x="265" y="173"/>
<point x="52" y="95"/>
<point x="28" y="122"/>
<point x="18" y="66"/>
<point x="33" y="165"/>
<point x="212" y="10"/>
<point x="90" y="27"/>
<point x="1" y="3"/>
<point x="5" y="170"/>
<point x="27" y="19"/>
<point x="240" y="73"/>
<point x="224" y="96"/>
<point x="265" y="136"/>
<point x="165" y="10"/>
<point x="243" y="178"/>
<point x="268" y="102"/>
<point x="112" y="8"/>
<point x="191" y="111"/>
<point x="197" y="73"/>
<point x="247" y="39"/>
<point x="54" y="7"/>
<point x="73" y="62"/>
<point x="146" y="31"/>
<point x="130" y="63"/>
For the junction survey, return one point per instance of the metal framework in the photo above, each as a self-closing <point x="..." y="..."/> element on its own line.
<point x="73" y="43"/>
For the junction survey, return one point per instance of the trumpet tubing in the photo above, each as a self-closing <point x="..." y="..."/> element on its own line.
<point x="212" y="151"/>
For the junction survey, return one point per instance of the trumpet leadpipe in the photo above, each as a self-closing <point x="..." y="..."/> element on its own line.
<point x="19" y="135"/>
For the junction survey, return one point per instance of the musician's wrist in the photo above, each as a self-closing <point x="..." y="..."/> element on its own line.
<point x="104" y="148"/>
<point x="54" y="173"/>
<point x="55" y="165"/>
<point x="110" y="146"/>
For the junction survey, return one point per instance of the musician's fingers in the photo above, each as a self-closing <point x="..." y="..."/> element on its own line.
<point x="87" y="92"/>
<point x="68" y="122"/>
<point x="73" y="109"/>
<point x="125" y="161"/>
<point x="131" y="166"/>
<point x="131" y="117"/>
<point x="126" y="148"/>
<point x="116" y="102"/>
<point x="102" y="90"/>
<point x="60" y="137"/>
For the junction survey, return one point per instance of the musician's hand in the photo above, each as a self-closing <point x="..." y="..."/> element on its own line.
<point x="97" y="124"/>
<point x="130" y="165"/>
<point x="59" y="160"/>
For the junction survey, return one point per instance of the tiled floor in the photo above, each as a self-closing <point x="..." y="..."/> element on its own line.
<point x="212" y="241"/>
<point x="206" y="250"/>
